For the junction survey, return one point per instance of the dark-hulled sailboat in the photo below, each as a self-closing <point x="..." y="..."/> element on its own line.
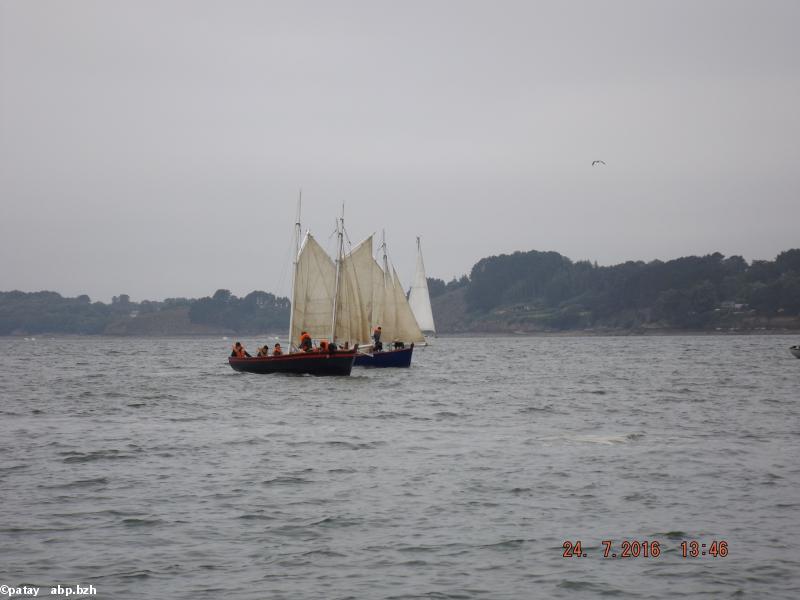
<point x="322" y="301"/>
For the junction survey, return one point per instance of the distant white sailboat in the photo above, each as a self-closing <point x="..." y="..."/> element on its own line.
<point x="419" y="299"/>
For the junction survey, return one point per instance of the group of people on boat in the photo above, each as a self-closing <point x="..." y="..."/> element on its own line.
<point x="306" y="345"/>
<point x="239" y="351"/>
<point x="276" y="350"/>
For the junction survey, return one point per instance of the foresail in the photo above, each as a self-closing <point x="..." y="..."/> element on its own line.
<point x="419" y="299"/>
<point x="314" y="285"/>
<point x="406" y="327"/>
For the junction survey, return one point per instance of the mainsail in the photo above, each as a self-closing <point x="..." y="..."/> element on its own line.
<point x="419" y="299"/>
<point x="312" y="295"/>
<point x="355" y="305"/>
<point x="384" y="311"/>
<point x="314" y="288"/>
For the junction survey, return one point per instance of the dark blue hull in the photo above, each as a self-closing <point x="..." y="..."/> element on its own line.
<point x="391" y="358"/>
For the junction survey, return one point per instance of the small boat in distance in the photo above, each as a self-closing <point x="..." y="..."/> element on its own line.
<point x="795" y="350"/>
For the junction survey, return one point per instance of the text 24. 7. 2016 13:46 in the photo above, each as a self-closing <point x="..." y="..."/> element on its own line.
<point x="648" y="549"/>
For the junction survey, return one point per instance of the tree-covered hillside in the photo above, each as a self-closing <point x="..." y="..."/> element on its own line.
<point x="525" y="291"/>
<point x="49" y="312"/>
<point x="545" y="290"/>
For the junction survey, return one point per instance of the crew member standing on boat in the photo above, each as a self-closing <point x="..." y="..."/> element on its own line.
<point x="239" y="351"/>
<point x="305" y="342"/>
<point x="376" y="337"/>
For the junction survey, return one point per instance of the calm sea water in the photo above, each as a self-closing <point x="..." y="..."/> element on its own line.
<point x="149" y="469"/>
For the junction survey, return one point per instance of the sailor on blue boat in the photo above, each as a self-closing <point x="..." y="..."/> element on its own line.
<point x="377" y="345"/>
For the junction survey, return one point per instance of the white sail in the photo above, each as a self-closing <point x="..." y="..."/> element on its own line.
<point x="419" y="299"/>
<point x="314" y="285"/>
<point x="406" y="328"/>
<point x="355" y="304"/>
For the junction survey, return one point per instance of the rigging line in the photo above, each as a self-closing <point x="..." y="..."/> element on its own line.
<point x="347" y="236"/>
<point x="328" y="243"/>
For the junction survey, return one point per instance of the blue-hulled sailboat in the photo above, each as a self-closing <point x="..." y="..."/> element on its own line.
<point x="388" y="309"/>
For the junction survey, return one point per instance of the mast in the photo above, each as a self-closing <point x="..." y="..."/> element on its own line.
<point x="385" y="261"/>
<point x="294" y="267"/>
<point x="389" y="308"/>
<point x="339" y="255"/>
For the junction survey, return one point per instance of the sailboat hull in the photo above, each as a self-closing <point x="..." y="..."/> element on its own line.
<point x="300" y="363"/>
<point x="391" y="358"/>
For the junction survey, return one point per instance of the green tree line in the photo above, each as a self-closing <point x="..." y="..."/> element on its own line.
<point x="688" y="292"/>
<point x="49" y="312"/>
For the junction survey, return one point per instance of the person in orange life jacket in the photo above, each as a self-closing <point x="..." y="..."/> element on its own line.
<point x="277" y="351"/>
<point x="305" y="342"/>
<point x="239" y="351"/>
<point x="323" y="345"/>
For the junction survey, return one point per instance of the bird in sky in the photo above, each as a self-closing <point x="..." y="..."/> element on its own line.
<point x="598" y="162"/>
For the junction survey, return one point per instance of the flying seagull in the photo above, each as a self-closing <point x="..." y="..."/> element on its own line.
<point x="598" y="162"/>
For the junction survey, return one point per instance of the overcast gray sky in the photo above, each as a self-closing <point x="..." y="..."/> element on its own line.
<point x="156" y="148"/>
